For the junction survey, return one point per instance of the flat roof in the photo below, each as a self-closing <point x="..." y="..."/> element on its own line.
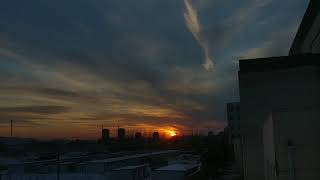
<point x="277" y="63"/>
<point x="130" y="167"/>
<point x="177" y="167"/>
<point x="122" y="158"/>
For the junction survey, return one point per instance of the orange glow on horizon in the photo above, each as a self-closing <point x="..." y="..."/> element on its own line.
<point x="172" y="133"/>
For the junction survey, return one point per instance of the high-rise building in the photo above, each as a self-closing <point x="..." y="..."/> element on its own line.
<point x="138" y="136"/>
<point x="234" y="135"/>
<point x="233" y="115"/>
<point x="105" y="136"/>
<point x="155" y="136"/>
<point x="280" y="109"/>
<point x="307" y="39"/>
<point x="121" y="133"/>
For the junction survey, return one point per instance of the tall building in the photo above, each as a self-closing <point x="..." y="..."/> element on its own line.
<point x="280" y="110"/>
<point x="155" y="136"/>
<point x="233" y="115"/>
<point x="121" y="133"/>
<point x="280" y="104"/>
<point x="307" y="39"/>
<point x="234" y="135"/>
<point x="138" y="136"/>
<point x="105" y="135"/>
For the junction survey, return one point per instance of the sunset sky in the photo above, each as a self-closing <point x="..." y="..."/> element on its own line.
<point x="69" y="66"/>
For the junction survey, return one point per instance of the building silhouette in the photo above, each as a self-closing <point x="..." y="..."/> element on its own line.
<point x="121" y="134"/>
<point x="105" y="136"/>
<point x="234" y="136"/>
<point x="155" y="136"/>
<point x="138" y="136"/>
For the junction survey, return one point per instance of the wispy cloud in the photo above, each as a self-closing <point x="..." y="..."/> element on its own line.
<point x="195" y="27"/>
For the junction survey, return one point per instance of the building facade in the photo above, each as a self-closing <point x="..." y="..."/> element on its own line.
<point x="121" y="134"/>
<point x="233" y="115"/>
<point x="307" y="39"/>
<point x="279" y="110"/>
<point x="105" y="136"/>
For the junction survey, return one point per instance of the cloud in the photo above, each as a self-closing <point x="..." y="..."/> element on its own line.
<point x="34" y="109"/>
<point x="278" y="44"/>
<point x="195" y="27"/>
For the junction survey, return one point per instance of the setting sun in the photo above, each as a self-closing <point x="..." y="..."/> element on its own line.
<point x="172" y="133"/>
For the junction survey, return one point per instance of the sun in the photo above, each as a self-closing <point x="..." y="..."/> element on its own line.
<point x="172" y="133"/>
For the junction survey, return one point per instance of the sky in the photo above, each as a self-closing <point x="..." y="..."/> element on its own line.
<point x="68" y="67"/>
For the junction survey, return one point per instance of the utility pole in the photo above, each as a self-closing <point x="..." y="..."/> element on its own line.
<point x="11" y="127"/>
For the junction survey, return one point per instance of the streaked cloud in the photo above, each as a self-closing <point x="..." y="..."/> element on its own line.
<point x="195" y="27"/>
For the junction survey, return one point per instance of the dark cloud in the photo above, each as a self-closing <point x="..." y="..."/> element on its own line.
<point x="43" y="110"/>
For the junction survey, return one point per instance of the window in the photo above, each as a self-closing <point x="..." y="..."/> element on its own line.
<point x="238" y="107"/>
<point x="230" y="107"/>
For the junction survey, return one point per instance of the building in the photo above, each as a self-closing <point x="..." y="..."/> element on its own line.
<point x="307" y="39"/>
<point x="179" y="171"/>
<point x="138" y="136"/>
<point x="105" y="135"/>
<point x="233" y="115"/>
<point x="210" y="134"/>
<point x="121" y="134"/>
<point x="155" y="136"/>
<point x="280" y="109"/>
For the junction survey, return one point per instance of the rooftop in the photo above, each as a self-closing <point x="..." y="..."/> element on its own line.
<point x="130" y="167"/>
<point x="277" y="63"/>
<point x="177" y="167"/>
<point x="122" y="158"/>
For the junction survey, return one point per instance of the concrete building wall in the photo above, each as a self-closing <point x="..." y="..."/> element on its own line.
<point x="311" y="44"/>
<point x="233" y="115"/>
<point x="260" y="93"/>
<point x="307" y="39"/>
<point x="268" y="148"/>
<point x="300" y="126"/>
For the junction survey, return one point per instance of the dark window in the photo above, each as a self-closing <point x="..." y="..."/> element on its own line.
<point x="238" y="107"/>
<point x="231" y="118"/>
<point x="231" y="107"/>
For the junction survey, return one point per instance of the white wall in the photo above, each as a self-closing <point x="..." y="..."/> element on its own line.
<point x="260" y="93"/>
<point x="301" y="126"/>
<point x="268" y="147"/>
